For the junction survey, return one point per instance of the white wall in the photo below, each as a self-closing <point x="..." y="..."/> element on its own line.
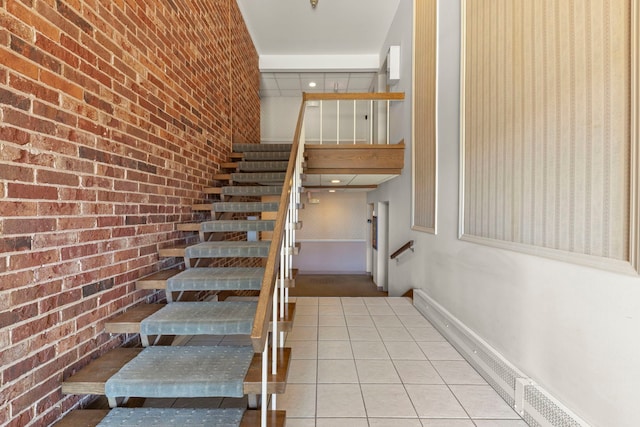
<point x="278" y="118"/>
<point x="280" y="114"/>
<point x="333" y="234"/>
<point x="573" y="329"/>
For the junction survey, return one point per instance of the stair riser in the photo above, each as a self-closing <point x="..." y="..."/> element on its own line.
<point x="240" y="148"/>
<point x="229" y="226"/>
<point x="227" y="253"/>
<point x="262" y="166"/>
<point x="252" y="191"/>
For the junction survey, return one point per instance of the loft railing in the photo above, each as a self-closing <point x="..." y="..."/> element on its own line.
<point x="350" y="118"/>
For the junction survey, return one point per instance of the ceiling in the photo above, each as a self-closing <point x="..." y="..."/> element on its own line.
<point x="338" y="35"/>
<point x="292" y="84"/>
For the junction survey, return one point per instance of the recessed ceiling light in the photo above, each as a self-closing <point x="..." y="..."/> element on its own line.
<point x="332" y="191"/>
<point x="335" y="181"/>
<point x="312" y="84"/>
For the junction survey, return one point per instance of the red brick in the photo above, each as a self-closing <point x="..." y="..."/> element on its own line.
<point x="33" y="88"/>
<point x="29" y="17"/>
<point x="98" y="182"/>
<point x="77" y="194"/>
<point x="25" y="121"/>
<point x="75" y="223"/>
<point x="15" y="100"/>
<point x="20" y="420"/>
<point x="16" y="173"/>
<point x="77" y="309"/>
<point x="35" y="292"/>
<point x="54" y="81"/>
<point x="52" y="272"/>
<point x="49" y="45"/>
<point x="75" y="165"/>
<point x="59" y="178"/>
<point x="24" y="191"/>
<point x="54" y="302"/>
<point x="26" y="365"/>
<point x="28" y="226"/>
<point x="32" y="259"/>
<point x="57" y="209"/>
<point x="8" y="318"/>
<point x="18" y="63"/>
<point x="78" y="251"/>
<point x="34" y="394"/>
<point x="16" y="26"/>
<point x="73" y="17"/>
<point x="50" y="240"/>
<point x="15" y="244"/>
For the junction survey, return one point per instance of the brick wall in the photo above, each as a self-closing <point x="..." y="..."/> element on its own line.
<point x="113" y="116"/>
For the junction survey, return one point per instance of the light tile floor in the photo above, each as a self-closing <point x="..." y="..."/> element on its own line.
<point x="377" y="362"/>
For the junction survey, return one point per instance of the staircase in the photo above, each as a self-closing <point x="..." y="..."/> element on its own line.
<point x="230" y="259"/>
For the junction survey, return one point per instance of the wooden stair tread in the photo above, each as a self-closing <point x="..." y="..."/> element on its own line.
<point x="222" y="176"/>
<point x="285" y="324"/>
<point x="92" y="378"/>
<point x="176" y="251"/>
<point x="201" y="207"/>
<point x="157" y="280"/>
<point x="276" y="383"/>
<point x="229" y="165"/>
<point x="212" y="190"/>
<point x="82" y="418"/>
<point x="129" y="321"/>
<point x="252" y="418"/>
<point x="92" y="417"/>
<point x="188" y="226"/>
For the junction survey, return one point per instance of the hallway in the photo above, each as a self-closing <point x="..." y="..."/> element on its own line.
<point x="377" y="362"/>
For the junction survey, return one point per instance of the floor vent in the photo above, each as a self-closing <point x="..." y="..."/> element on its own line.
<point x="533" y="403"/>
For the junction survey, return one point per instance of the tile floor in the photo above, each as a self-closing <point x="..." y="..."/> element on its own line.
<point x="377" y="362"/>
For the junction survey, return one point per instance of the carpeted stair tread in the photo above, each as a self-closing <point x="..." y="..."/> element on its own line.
<point x="266" y="155"/>
<point x="263" y="166"/>
<point x="258" y="177"/>
<point x="243" y="148"/>
<point x="201" y="318"/>
<point x="183" y="371"/>
<point x="237" y="225"/>
<point x="171" y="417"/>
<point x="245" y="206"/>
<point x="216" y="279"/>
<point x="252" y="190"/>
<point x="225" y="249"/>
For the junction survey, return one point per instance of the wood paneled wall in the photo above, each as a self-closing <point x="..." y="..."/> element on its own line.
<point x="547" y="126"/>
<point x="424" y="115"/>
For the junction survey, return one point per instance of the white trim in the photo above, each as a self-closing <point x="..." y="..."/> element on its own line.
<point x="634" y="201"/>
<point x="472" y="346"/>
<point x="307" y="63"/>
<point x="332" y="240"/>
<point x="463" y="72"/>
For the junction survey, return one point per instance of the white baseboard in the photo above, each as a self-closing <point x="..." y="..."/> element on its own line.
<point x="536" y="406"/>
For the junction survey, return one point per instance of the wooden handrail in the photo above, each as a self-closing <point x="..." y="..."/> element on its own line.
<point x="260" y="329"/>
<point x="358" y="96"/>
<point x="405" y="247"/>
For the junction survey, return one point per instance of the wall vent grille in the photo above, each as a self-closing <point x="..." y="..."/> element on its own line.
<point x="538" y="408"/>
